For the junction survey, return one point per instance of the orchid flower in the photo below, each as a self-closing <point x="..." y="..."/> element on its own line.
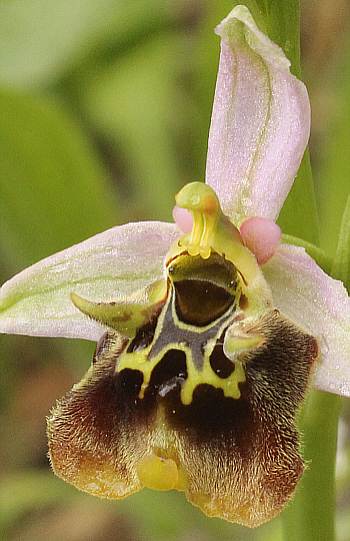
<point x="209" y="337"/>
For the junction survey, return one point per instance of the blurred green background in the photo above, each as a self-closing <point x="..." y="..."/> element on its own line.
<point x="104" y="114"/>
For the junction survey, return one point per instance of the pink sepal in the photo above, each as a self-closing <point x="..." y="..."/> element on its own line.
<point x="317" y="302"/>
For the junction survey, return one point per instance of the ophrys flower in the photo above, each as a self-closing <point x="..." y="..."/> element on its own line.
<point x="207" y="356"/>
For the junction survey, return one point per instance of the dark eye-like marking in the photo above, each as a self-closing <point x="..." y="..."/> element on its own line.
<point x="204" y="288"/>
<point x="129" y="382"/>
<point x="169" y="373"/>
<point x="221" y="365"/>
<point x="200" y="302"/>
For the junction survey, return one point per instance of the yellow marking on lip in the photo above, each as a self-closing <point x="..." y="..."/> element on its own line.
<point x="207" y="376"/>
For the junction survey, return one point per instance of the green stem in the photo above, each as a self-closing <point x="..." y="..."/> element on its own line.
<point x="310" y="517"/>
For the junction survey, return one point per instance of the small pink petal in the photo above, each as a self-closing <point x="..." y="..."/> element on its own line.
<point x="183" y="218"/>
<point x="262" y="236"/>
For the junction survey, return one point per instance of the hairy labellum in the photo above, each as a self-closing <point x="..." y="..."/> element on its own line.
<point x="195" y="386"/>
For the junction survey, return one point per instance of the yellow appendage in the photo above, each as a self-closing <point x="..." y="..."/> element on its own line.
<point x="158" y="473"/>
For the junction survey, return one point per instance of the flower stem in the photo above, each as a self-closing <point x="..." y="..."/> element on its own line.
<point x="311" y="514"/>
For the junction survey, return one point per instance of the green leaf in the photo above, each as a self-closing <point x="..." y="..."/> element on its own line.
<point x="298" y="216"/>
<point x="341" y="267"/>
<point x="53" y="190"/>
<point x="138" y="103"/>
<point x="332" y="174"/>
<point x="41" y="40"/>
